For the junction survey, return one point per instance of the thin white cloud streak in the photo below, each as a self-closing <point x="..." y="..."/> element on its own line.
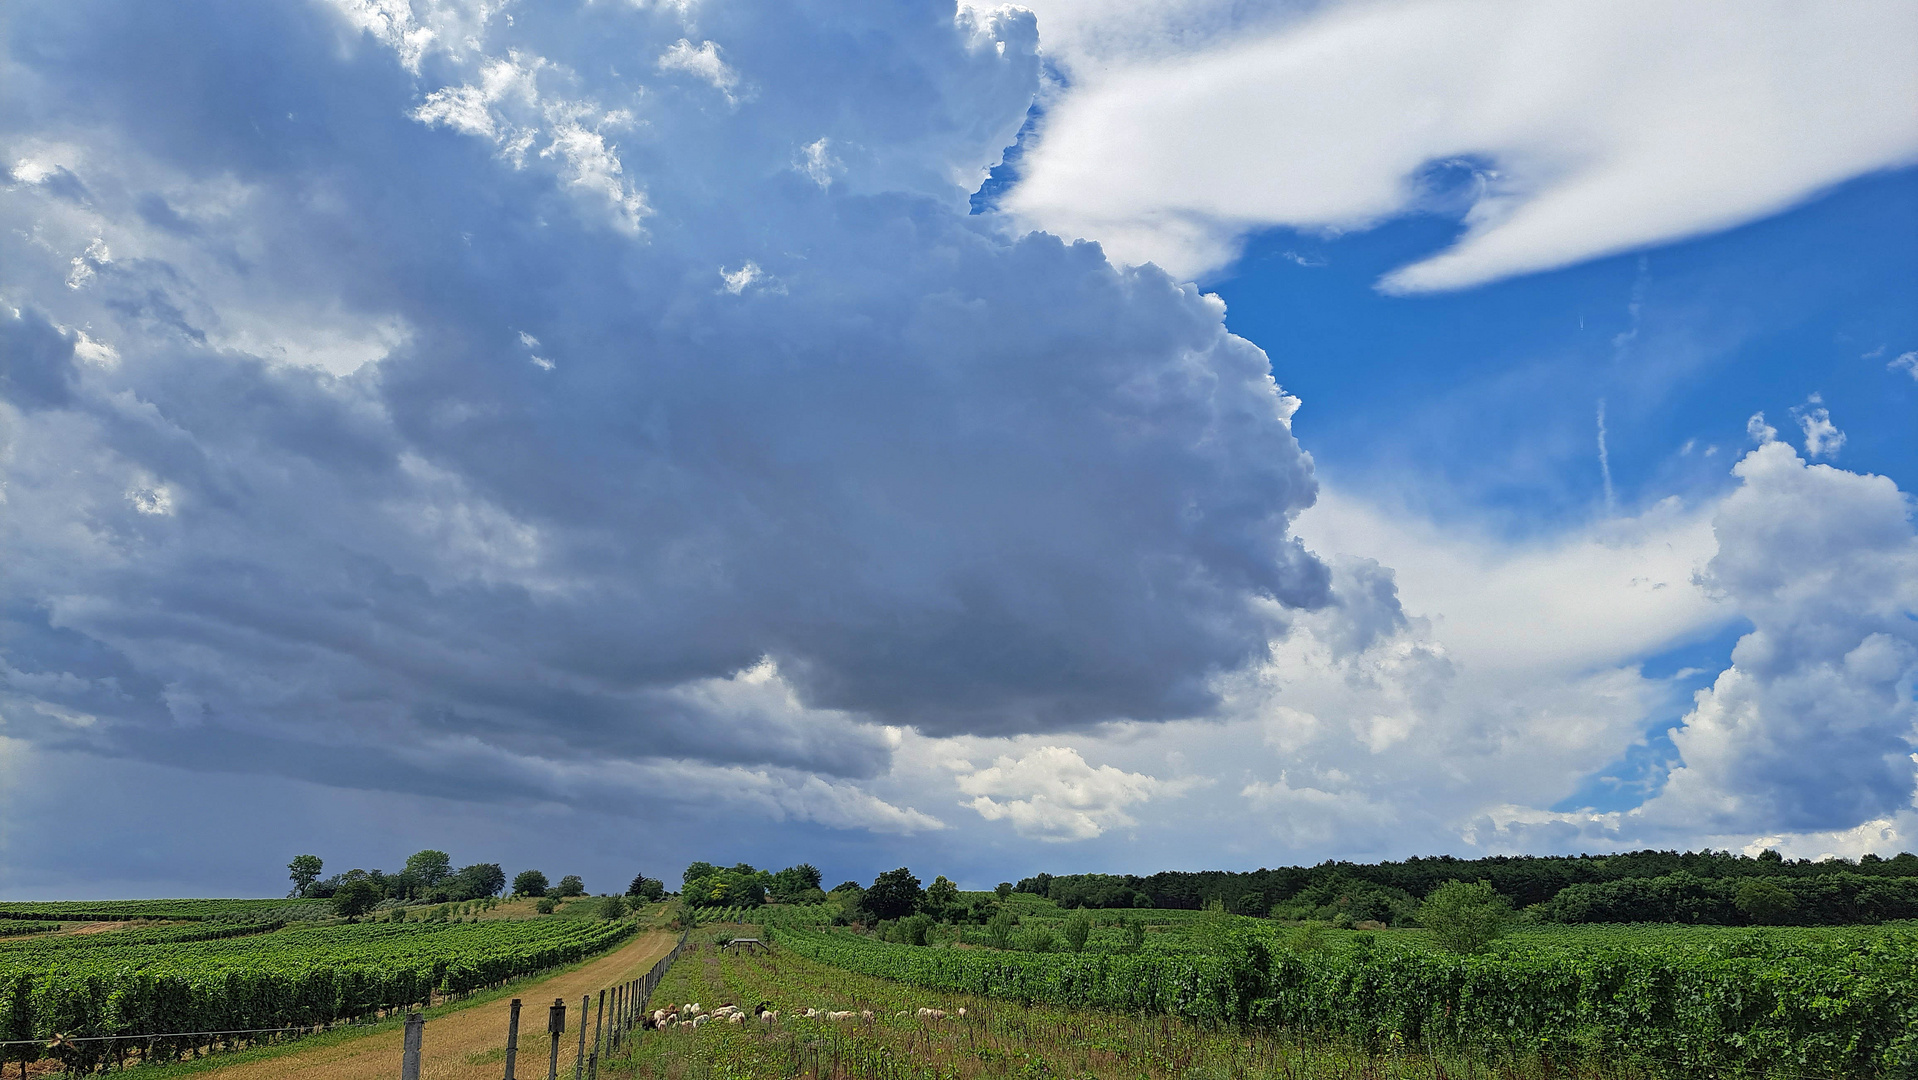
<point x="1591" y="129"/>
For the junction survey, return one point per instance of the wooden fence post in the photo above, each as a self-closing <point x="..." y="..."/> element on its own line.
<point x="555" y="1027"/>
<point x="579" y="1057"/>
<point x="512" y="1040"/>
<point x="410" y="1051"/>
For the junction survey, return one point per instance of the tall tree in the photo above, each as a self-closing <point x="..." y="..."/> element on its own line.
<point x="304" y="870"/>
<point x="529" y="883"/>
<point x="894" y="895"/>
<point x="429" y="866"/>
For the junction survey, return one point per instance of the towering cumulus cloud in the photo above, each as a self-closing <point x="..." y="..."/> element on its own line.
<point x="436" y="398"/>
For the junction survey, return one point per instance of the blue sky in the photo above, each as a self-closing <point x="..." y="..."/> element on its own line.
<point x="598" y="436"/>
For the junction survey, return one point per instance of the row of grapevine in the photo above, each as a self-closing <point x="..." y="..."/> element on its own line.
<point x="122" y="910"/>
<point x="298" y="978"/>
<point x="1837" y="1009"/>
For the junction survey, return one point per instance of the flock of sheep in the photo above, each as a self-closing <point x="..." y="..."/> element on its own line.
<point x="689" y="1016"/>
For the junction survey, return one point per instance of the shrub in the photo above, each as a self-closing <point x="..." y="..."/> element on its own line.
<point x="613" y="907"/>
<point x="1465" y="918"/>
<point x="1039" y="939"/>
<point x="546" y="905"/>
<point x="1078" y="929"/>
<point x="999" y="930"/>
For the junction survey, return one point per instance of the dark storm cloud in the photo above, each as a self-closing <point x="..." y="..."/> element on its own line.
<point x="563" y="405"/>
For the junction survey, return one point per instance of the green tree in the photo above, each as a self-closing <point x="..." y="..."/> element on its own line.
<point x="645" y="888"/>
<point x="1039" y="939"/>
<point x="429" y="867"/>
<point x="613" y="907"/>
<point x="304" y="870"/>
<point x="942" y="898"/>
<point x="895" y="894"/>
<point x="570" y="885"/>
<point x="476" y="882"/>
<point x="1465" y="918"/>
<point x="529" y="883"/>
<point x="356" y="897"/>
<point x="1002" y="890"/>
<point x="1078" y="929"/>
<point x="1765" y="903"/>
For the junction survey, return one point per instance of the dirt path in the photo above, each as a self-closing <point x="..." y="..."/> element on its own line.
<point x="469" y="1044"/>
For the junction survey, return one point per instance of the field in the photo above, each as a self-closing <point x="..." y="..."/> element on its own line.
<point x="1824" y="1002"/>
<point x="256" y="980"/>
<point x="172" y="910"/>
<point x="1001" y="1039"/>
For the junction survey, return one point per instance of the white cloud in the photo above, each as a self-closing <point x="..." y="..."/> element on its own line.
<point x="1051" y="793"/>
<point x="703" y="62"/>
<point x="817" y="163"/>
<point x="1822" y="437"/>
<point x="1584" y="129"/>
<point x="1812" y="726"/>
<point x="1908" y="361"/>
<point x="738" y="281"/>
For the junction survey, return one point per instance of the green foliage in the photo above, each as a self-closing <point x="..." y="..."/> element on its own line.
<point x="1039" y="939"/>
<point x="1734" y="1006"/>
<point x="1465" y="918"/>
<point x="895" y="894"/>
<point x="570" y="886"/>
<point x="999" y="930"/>
<point x="159" y="979"/>
<point x="707" y="885"/>
<point x="942" y="900"/>
<point x="529" y="883"/>
<point x="651" y="890"/>
<point x="794" y="884"/>
<point x="1765" y="903"/>
<point x="356" y="897"/>
<point x="304" y="870"/>
<point x="546" y="905"/>
<point x="613" y="907"/>
<point x="1134" y="933"/>
<point x="1078" y="929"/>
<point x="1002" y="890"/>
<point x="429" y="867"/>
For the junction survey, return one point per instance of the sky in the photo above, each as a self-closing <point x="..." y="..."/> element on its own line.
<point x="600" y="435"/>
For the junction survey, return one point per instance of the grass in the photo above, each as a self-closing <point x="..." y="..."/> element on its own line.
<point x="996" y="1040"/>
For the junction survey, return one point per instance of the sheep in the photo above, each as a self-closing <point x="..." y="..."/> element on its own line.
<point x="810" y="1013"/>
<point x="962" y="1012"/>
<point x="836" y="1016"/>
<point x="700" y="1020"/>
<point x="736" y="1018"/>
<point x="932" y="1014"/>
<point x="865" y="1015"/>
<point x="769" y="1015"/>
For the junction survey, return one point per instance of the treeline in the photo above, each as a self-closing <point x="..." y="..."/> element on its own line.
<point x="1641" y="886"/>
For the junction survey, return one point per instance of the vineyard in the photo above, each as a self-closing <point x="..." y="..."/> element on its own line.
<point x="881" y="1035"/>
<point x="1840" y="1005"/>
<point x="157" y="980"/>
<point x="173" y="910"/>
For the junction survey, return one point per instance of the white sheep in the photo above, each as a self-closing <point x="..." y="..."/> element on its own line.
<point x="932" y="1014"/>
<point x="843" y="1015"/>
<point x="769" y="1015"/>
<point x="700" y="1020"/>
<point x="962" y="1012"/>
<point x="865" y="1015"/>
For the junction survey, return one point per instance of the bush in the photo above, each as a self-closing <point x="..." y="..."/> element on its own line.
<point x="1039" y="939"/>
<point x="571" y="885"/>
<point x="613" y="907"/>
<point x="999" y="930"/>
<point x="1465" y="918"/>
<point x="1078" y="929"/>
<point x="546" y="905"/>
